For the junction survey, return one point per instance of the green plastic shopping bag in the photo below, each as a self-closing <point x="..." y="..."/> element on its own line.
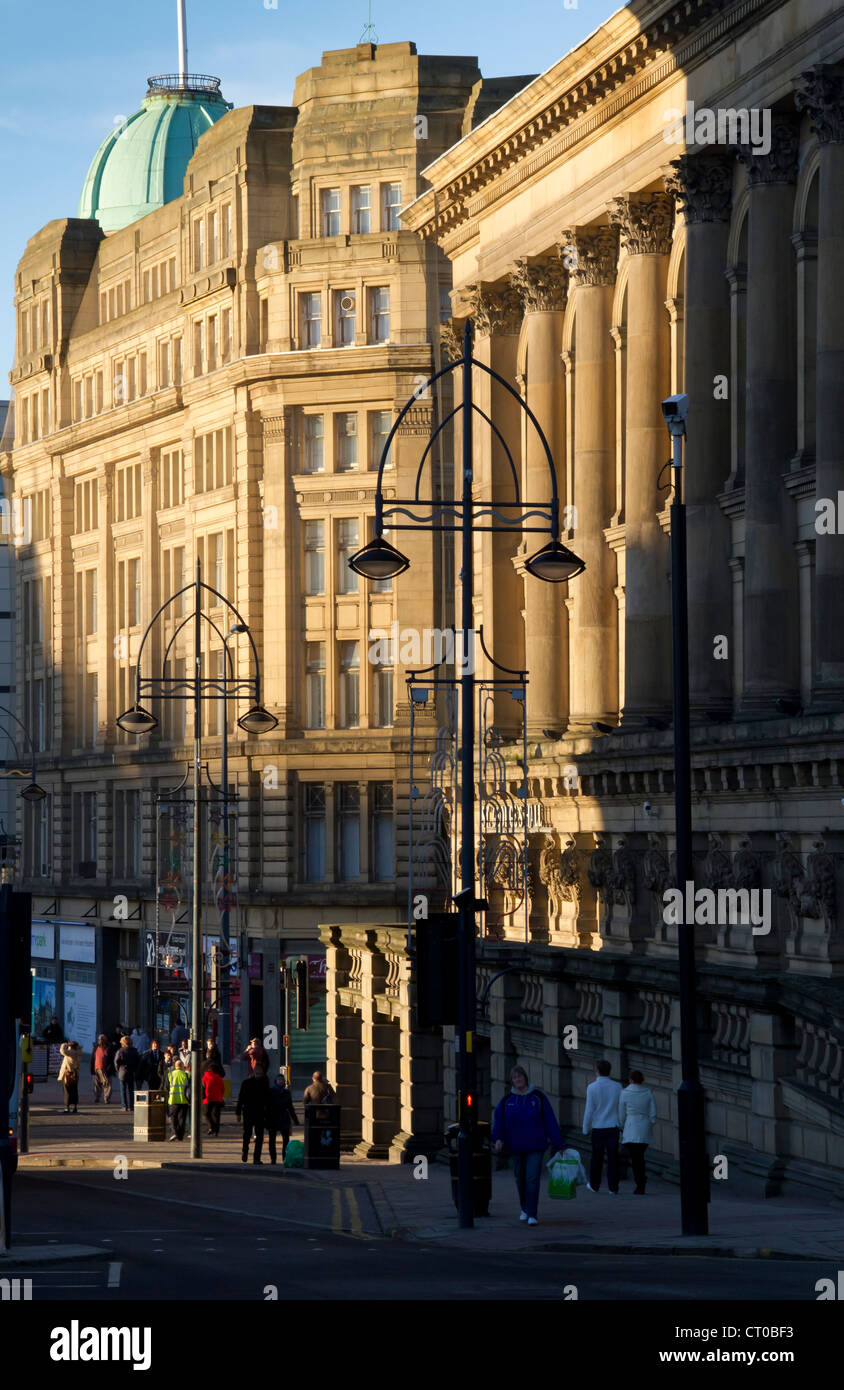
<point x="295" y="1156"/>
<point x="563" y="1177"/>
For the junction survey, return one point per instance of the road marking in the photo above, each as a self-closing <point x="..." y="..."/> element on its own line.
<point x="114" y="1274"/>
<point x="357" y="1224"/>
<point x="336" y="1211"/>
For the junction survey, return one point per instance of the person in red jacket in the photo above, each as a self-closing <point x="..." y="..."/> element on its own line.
<point x="212" y="1098"/>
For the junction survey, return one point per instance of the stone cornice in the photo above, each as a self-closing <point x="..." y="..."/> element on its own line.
<point x="567" y="103"/>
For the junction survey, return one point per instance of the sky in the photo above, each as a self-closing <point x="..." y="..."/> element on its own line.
<point x="69" y="72"/>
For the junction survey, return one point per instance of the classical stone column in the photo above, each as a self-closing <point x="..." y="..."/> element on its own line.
<point x="822" y="95"/>
<point x="542" y="286"/>
<point x="497" y="313"/>
<point x="645" y="221"/>
<point x="593" y="637"/>
<point x="701" y="186"/>
<point x="771" y="655"/>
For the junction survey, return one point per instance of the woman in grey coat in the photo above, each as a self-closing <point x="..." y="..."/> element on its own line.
<point x="636" y="1115"/>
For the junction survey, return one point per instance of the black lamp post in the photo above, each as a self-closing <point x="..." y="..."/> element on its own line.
<point x="691" y="1122"/>
<point x="138" y="720"/>
<point x="380" y="560"/>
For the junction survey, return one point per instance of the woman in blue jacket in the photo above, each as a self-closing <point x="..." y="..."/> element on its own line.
<point x="524" y="1124"/>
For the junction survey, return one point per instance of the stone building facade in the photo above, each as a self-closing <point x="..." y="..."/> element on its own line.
<point x="660" y="212"/>
<point x="208" y="374"/>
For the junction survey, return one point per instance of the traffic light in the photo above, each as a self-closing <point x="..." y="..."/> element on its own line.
<point x="437" y="970"/>
<point x="302" y="1001"/>
<point x="30" y="1084"/>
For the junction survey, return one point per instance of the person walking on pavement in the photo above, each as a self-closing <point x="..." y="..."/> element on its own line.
<point x="213" y="1059"/>
<point x="102" y="1069"/>
<point x="178" y="1097"/>
<point x="280" y="1115"/>
<point x="69" y="1076"/>
<point x="213" y="1093"/>
<point x="152" y="1068"/>
<point x="53" y="1032"/>
<point x="525" y="1124"/>
<point x="636" y="1115"/>
<point x="252" y="1100"/>
<point x="126" y="1061"/>
<point x="183" y="1055"/>
<point x="178" y="1035"/>
<point x="319" y="1092"/>
<point x="139" y="1039"/>
<point x="257" y="1056"/>
<point x="601" y="1116"/>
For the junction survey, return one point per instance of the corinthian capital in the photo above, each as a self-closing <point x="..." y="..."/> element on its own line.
<point x="821" y="94"/>
<point x="779" y="165"/>
<point x="451" y="340"/>
<point x="645" y="222"/>
<point x="701" y="186"/>
<point x="542" y="284"/>
<point x="495" y="308"/>
<point x="590" y="254"/>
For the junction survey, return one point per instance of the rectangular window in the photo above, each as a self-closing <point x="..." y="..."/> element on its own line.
<point x="314" y="444"/>
<point x="313" y="817"/>
<point x="212" y="342"/>
<point x="171" y="478"/>
<point x="127" y="492"/>
<point x="227" y="229"/>
<point x="133" y="592"/>
<point x="314" y="557"/>
<point x="348" y="701"/>
<point x="226" y="336"/>
<point x="345" y="315"/>
<point x="380" y="424"/>
<point x="84" y="822"/>
<point x="390" y="204"/>
<point x="310" y="329"/>
<point x="379" y="314"/>
<point x="263" y="323"/>
<point x="127" y="833"/>
<point x="314" y="685"/>
<point x="345" y="441"/>
<point x="45" y="411"/>
<point x="91" y="617"/>
<point x="382" y="696"/>
<point x="85" y="504"/>
<point x="198" y="347"/>
<point x="212" y="460"/>
<point x="37" y="838"/>
<point x="348" y="831"/>
<point x="361" y="212"/>
<point x="77" y="401"/>
<point x="213" y="224"/>
<point x="199" y="243"/>
<point x="165" y="367"/>
<point x="347" y="544"/>
<point x="330" y="203"/>
<point x="147" y="286"/>
<point x="381" y="831"/>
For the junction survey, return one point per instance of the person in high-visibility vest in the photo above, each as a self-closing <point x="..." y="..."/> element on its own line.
<point x="178" y="1095"/>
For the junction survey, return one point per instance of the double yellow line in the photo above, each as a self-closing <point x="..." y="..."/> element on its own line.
<point x="355" y="1224"/>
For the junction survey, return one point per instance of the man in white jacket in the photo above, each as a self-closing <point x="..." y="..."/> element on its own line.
<point x="601" y="1116"/>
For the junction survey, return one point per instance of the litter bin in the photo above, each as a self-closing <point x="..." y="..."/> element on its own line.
<point x="150" y="1117"/>
<point x="481" y="1165"/>
<point x="322" y="1136"/>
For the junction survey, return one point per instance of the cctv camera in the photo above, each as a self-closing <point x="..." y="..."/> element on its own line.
<point x="647" y="808"/>
<point x="674" y="412"/>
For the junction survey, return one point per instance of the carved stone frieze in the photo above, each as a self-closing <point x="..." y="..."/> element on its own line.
<point x="656" y="873"/>
<point x="717" y="869"/>
<point x="645" y="222"/>
<point x="822" y="96"/>
<point x="451" y="340"/>
<point x="808" y="890"/>
<point x="701" y="186"/>
<point x="560" y="873"/>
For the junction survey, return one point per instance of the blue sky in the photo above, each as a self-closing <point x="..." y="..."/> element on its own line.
<point x="69" y="72"/>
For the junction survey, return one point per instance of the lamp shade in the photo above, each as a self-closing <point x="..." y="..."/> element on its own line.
<point x="32" y="792"/>
<point x="137" y="721"/>
<point x="555" y="563"/>
<point x="379" y="560"/>
<point x="257" y="720"/>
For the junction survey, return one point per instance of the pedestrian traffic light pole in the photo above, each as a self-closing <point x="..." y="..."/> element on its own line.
<point x="257" y="720"/>
<point x="554" y="562"/>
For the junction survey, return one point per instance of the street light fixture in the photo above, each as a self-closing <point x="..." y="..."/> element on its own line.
<point x="257" y="720"/>
<point x="32" y="792"/>
<point x="380" y="560"/>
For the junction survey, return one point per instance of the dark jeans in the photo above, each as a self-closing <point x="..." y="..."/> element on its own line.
<point x="178" y="1118"/>
<point x="604" y="1139"/>
<point x="213" y="1111"/>
<point x="248" y="1126"/>
<point x="528" y="1171"/>
<point x="285" y="1140"/>
<point x="637" y="1163"/>
<point x="127" y="1091"/>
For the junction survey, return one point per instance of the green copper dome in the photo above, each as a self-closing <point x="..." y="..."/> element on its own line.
<point x="141" y="165"/>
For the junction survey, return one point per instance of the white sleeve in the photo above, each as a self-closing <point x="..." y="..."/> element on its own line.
<point x="587" y="1114"/>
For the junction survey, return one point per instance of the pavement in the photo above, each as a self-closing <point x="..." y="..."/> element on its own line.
<point x="413" y="1202"/>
